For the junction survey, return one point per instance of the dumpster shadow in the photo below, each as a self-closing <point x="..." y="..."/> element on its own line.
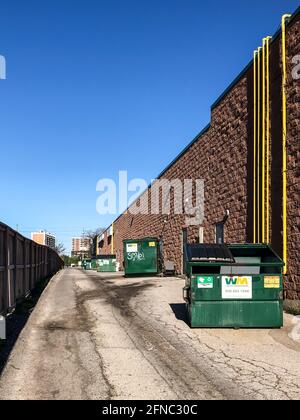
<point x="179" y="310"/>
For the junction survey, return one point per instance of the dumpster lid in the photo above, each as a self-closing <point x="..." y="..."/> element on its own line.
<point x="147" y="239"/>
<point x="208" y="253"/>
<point x="106" y="257"/>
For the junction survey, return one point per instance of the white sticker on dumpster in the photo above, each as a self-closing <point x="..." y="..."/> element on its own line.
<point x="132" y="248"/>
<point x="236" y="287"/>
<point x="205" y="282"/>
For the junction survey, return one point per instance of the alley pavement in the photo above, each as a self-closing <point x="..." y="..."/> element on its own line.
<point x="101" y="336"/>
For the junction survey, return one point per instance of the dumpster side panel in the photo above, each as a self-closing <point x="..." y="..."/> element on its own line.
<point x="108" y="265"/>
<point x="233" y="314"/>
<point x="262" y="288"/>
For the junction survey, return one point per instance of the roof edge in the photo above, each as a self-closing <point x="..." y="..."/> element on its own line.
<point x="244" y="71"/>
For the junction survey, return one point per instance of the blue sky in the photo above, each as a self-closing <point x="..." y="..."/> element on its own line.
<point x="98" y="86"/>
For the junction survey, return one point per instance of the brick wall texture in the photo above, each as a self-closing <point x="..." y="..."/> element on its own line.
<point x="223" y="157"/>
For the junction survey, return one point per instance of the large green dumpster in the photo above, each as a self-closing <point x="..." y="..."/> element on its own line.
<point x="141" y="257"/>
<point x="107" y="263"/>
<point x="234" y="286"/>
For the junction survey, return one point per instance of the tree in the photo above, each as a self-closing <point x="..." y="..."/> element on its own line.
<point x="60" y="249"/>
<point x="92" y="235"/>
<point x="70" y="260"/>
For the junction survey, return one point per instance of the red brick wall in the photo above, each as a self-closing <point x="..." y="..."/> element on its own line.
<point x="223" y="157"/>
<point x="104" y="247"/>
<point x="293" y="172"/>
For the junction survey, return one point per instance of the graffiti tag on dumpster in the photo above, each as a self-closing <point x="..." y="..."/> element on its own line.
<point x="136" y="256"/>
<point x="236" y="287"/>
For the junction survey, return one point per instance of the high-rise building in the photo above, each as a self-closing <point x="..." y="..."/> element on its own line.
<point x="81" y="246"/>
<point x="44" y="238"/>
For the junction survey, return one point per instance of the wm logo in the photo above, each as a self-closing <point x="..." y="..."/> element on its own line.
<point x="236" y="281"/>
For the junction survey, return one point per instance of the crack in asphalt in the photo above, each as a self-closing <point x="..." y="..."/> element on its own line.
<point x="184" y="373"/>
<point x="256" y="375"/>
<point x="252" y="378"/>
<point x="81" y="298"/>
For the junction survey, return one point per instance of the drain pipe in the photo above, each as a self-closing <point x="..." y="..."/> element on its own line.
<point x="220" y="228"/>
<point x="112" y="238"/>
<point x="268" y="40"/>
<point x="255" y="143"/>
<point x="258" y="141"/>
<point x="263" y="142"/>
<point x="284" y="140"/>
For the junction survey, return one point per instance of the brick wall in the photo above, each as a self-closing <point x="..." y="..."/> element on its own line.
<point x="104" y="247"/>
<point x="293" y="173"/>
<point x="223" y="157"/>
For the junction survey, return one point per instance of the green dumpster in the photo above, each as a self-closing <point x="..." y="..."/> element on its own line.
<point x="94" y="264"/>
<point x="87" y="264"/>
<point x="141" y="257"/>
<point x="107" y="263"/>
<point x="234" y="286"/>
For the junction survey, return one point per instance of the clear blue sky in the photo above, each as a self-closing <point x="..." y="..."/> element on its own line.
<point x="96" y="86"/>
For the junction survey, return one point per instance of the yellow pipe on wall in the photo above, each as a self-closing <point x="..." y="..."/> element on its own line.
<point x="112" y="239"/>
<point x="263" y="140"/>
<point x="268" y="139"/>
<point x="284" y="140"/>
<point x="258" y="141"/>
<point x="255" y="143"/>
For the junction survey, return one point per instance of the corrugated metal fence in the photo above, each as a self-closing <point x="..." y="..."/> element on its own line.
<point x="22" y="264"/>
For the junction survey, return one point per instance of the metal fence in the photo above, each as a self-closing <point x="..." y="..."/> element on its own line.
<point x="23" y="263"/>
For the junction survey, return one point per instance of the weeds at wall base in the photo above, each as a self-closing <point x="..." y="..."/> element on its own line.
<point x="292" y="307"/>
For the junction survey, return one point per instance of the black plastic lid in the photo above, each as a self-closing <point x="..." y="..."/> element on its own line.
<point x="209" y="253"/>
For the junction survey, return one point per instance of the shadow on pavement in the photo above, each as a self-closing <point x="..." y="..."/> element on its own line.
<point x="17" y="321"/>
<point x="14" y="326"/>
<point x="180" y="312"/>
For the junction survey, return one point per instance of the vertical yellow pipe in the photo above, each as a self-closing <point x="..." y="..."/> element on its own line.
<point x="263" y="140"/>
<point x="284" y="139"/>
<point x="258" y="141"/>
<point x="268" y="139"/>
<point x="112" y="239"/>
<point x="255" y="143"/>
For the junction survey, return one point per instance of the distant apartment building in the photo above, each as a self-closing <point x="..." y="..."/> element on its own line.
<point x="44" y="238"/>
<point x="81" y="247"/>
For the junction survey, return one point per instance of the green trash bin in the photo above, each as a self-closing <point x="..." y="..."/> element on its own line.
<point x="107" y="263"/>
<point x="141" y="257"/>
<point x="94" y="264"/>
<point x="87" y="264"/>
<point x="234" y="286"/>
